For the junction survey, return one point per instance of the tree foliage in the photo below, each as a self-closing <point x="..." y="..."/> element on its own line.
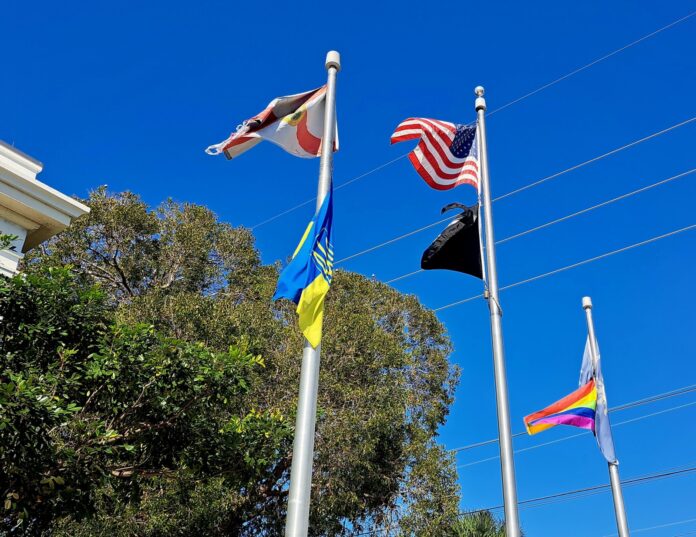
<point x="183" y="289"/>
<point x="6" y="241"/>
<point x="88" y="403"/>
<point x="479" y="524"/>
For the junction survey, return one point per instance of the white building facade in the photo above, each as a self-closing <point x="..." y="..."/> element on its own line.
<point x="29" y="209"/>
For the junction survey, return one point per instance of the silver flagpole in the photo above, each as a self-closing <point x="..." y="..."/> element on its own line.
<point x="297" y="522"/>
<point x="619" y="509"/>
<point x="507" y="462"/>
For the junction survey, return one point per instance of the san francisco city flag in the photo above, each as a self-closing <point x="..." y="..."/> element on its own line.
<point x="294" y="122"/>
<point x="307" y="278"/>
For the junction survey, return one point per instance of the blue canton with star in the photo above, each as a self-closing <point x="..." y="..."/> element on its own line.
<point x="463" y="141"/>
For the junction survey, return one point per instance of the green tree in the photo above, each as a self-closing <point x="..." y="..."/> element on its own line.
<point x="479" y="524"/>
<point x="385" y="385"/>
<point x="90" y="405"/>
<point x="6" y="241"/>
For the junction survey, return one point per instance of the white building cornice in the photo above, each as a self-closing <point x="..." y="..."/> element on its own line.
<point x="29" y="208"/>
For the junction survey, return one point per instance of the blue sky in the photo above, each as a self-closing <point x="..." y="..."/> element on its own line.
<point x="128" y="94"/>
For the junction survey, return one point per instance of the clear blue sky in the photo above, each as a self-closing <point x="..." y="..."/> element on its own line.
<point x="129" y="93"/>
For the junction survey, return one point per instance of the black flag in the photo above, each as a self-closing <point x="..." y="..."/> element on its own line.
<point x="458" y="247"/>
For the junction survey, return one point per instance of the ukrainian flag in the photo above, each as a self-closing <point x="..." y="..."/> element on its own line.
<point x="307" y="277"/>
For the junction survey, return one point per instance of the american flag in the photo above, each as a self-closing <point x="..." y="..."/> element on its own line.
<point x="447" y="154"/>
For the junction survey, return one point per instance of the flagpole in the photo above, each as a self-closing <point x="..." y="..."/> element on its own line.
<point x="619" y="509"/>
<point x="507" y="462"/>
<point x="297" y="521"/>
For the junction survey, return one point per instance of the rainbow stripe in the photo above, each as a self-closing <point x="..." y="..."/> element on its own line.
<point x="576" y="409"/>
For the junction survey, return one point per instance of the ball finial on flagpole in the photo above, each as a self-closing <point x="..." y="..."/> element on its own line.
<point x="333" y="59"/>
<point x="480" y="103"/>
<point x="586" y="302"/>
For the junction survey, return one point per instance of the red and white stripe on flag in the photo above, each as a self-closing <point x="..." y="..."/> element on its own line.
<point x="294" y="122"/>
<point x="446" y="155"/>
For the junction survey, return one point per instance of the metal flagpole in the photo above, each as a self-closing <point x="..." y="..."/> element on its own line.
<point x="507" y="462"/>
<point x="619" y="509"/>
<point x="297" y="522"/>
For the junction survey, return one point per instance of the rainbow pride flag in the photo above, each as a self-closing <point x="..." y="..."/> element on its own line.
<point x="576" y="409"/>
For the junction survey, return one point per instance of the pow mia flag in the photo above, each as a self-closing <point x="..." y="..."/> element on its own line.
<point x="458" y="247"/>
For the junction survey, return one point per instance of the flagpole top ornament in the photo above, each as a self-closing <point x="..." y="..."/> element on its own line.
<point x="587" y="303"/>
<point x="480" y="101"/>
<point x="333" y="59"/>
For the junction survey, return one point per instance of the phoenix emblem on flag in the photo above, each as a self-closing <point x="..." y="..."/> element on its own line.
<point x="295" y="118"/>
<point x="294" y="122"/>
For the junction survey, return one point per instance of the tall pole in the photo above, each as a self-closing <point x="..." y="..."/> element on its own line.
<point x="297" y="522"/>
<point x="507" y="462"/>
<point x="619" y="509"/>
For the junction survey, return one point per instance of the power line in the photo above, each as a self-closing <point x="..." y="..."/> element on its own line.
<point x="404" y="276"/>
<point x="526" y="187"/>
<point x="654" y="398"/>
<point x="597" y="206"/>
<point x="567" y="217"/>
<point x="595" y="159"/>
<point x="625" y="406"/>
<point x="390" y="241"/>
<point x="572" y="266"/>
<point x="585" y="494"/>
<point x="572" y="493"/>
<point x="594" y="62"/>
<point x="510" y="103"/>
<point x="337" y="187"/>
<point x="660" y="526"/>
<point x="577" y="435"/>
<point x="633" y="404"/>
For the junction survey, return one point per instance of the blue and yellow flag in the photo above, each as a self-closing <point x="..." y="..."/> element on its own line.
<point x="307" y="277"/>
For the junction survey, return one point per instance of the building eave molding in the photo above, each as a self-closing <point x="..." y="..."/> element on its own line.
<point x="35" y="208"/>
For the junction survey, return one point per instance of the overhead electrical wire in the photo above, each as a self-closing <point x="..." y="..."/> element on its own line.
<point x="337" y="187"/>
<point x="659" y="527"/>
<point x="572" y="266"/>
<point x="566" y="217"/>
<point x="390" y="241"/>
<point x="654" y="398"/>
<point x="595" y="159"/>
<point x="633" y="404"/>
<point x="495" y="111"/>
<point x="596" y="206"/>
<point x="577" y="435"/>
<point x="595" y="492"/>
<point x="580" y="491"/>
<point x="526" y="187"/>
<point x="626" y="406"/>
<point x="573" y="494"/>
<point x="628" y="482"/>
<point x="594" y="62"/>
